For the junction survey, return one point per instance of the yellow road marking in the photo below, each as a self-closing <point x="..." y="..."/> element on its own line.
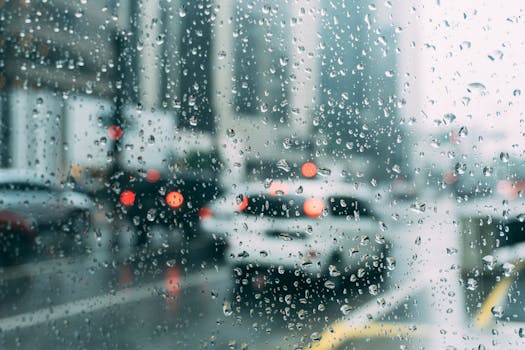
<point x="343" y="331"/>
<point x="483" y="317"/>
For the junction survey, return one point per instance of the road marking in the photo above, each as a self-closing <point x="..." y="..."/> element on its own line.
<point x="89" y="305"/>
<point x="342" y="331"/>
<point x="484" y="315"/>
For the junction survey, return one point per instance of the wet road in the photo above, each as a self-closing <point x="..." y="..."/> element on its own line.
<point x="108" y="299"/>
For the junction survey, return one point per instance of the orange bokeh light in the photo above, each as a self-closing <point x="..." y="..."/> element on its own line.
<point x="174" y="199"/>
<point x="309" y="169"/>
<point x="127" y="198"/>
<point x="313" y="207"/>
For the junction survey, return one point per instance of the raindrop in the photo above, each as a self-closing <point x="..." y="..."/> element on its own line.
<point x="521" y="217"/>
<point x="227" y="308"/>
<point x="418" y="207"/>
<point x="263" y="253"/>
<point x="508" y="269"/>
<point x="193" y="121"/>
<point x="487" y="171"/>
<point x="495" y="55"/>
<point x="516" y="92"/>
<point x="504" y="157"/>
<point x="283" y="165"/>
<point x="221" y="55"/>
<point x="324" y="171"/>
<point x="449" y="117"/>
<point x="463" y="131"/>
<point x="182" y="12"/>
<point x="489" y="262"/>
<point x="479" y="87"/>
<point x="389" y="73"/>
<point x="497" y="311"/>
<point x="346" y="309"/>
<point x="329" y="284"/>
<point x="390" y="263"/>
<point x="230" y="132"/>
<point x="461" y="168"/>
<point x="332" y="269"/>
<point x="380" y="239"/>
<point x="521" y="333"/>
<point x="396" y="169"/>
<point x="373" y="289"/>
<point x="382" y="226"/>
<point x="472" y="284"/>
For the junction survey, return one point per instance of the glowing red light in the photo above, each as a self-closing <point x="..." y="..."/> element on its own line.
<point x="309" y="169"/>
<point x="172" y="283"/>
<point x="243" y="203"/>
<point x="313" y="207"/>
<point x="114" y="132"/>
<point x="127" y="198"/>
<point x="174" y="199"/>
<point x="205" y="213"/>
<point x="152" y="175"/>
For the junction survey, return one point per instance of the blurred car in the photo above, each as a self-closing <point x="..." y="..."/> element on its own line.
<point x="316" y="228"/>
<point x="17" y="235"/>
<point x="64" y="213"/>
<point x="161" y="199"/>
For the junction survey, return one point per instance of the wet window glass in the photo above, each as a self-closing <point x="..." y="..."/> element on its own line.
<point x="262" y="174"/>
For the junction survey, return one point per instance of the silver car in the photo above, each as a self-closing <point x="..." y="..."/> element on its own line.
<point x="313" y="229"/>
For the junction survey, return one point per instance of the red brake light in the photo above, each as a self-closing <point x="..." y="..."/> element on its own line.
<point x="152" y="175"/>
<point x="127" y="198"/>
<point x="174" y="199"/>
<point x="309" y="169"/>
<point x="114" y="132"/>
<point x="313" y="207"/>
<point x="205" y="213"/>
<point x="242" y="202"/>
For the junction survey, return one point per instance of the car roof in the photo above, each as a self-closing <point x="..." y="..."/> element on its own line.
<point x="308" y="188"/>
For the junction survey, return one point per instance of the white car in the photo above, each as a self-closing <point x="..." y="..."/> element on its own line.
<point x="310" y="228"/>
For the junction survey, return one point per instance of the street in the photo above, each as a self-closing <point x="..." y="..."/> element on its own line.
<point x="160" y="301"/>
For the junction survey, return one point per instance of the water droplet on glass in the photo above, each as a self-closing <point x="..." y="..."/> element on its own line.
<point x="463" y="131"/>
<point x="373" y="289"/>
<point x="283" y="165"/>
<point x="382" y="226"/>
<point x="227" y="308"/>
<point x="472" y="284"/>
<point x="329" y="284"/>
<point x="182" y="12"/>
<point x="449" y="117"/>
<point x="230" y="132"/>
<point x="487" y="171"/>
<point x="508" y="269"/>
<point x="346" y="309"/>
<point x="489" y="262"/>
<point x="396" y="169"/>
<point x="193" y="121"/>
<point x="504" y="157"/>
<point x="418" y="207"/>
<point x="390" y="263"/>
<point x="221" y="54"/>
<point x="497" y="311"/>
<point x="332" y="270"/>
<point x="521" y="217"/>
<point x="516" y="92"/>
<point x="389" y="73"/>
<point x="460" y="168"/>
<point x="495" y="55"/>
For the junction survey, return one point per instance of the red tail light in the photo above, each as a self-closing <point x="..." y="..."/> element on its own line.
<point x="127" y="198"/>
<point x="309" y="169"/>
<point x="313" y="207"/>
<point x="242" y="202"/>
<point x="205" y="213"/>
<point x="174" y="199"/>
<point x="152" y="175"/>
